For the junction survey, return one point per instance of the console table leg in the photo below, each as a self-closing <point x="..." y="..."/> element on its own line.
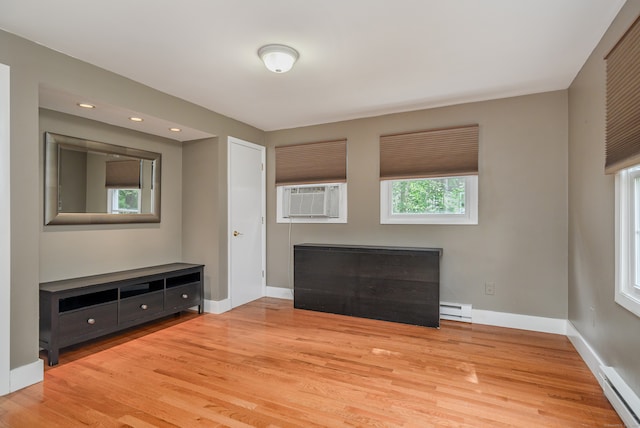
<point x="52" y="356"/>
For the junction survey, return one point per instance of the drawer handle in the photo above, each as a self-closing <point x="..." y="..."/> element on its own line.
<point x="91" y="321"/>
<point x="185" y="296"/>
<point x="144" y="307"/>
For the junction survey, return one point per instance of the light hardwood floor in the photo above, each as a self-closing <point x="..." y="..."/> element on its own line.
<point x="266" y="364"/>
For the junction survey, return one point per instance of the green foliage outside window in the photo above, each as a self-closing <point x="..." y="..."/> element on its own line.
<point x="429" y="196"/>
<point x="128" y="200"/>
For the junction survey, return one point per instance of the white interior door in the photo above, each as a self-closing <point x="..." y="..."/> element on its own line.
<point x="246" y="231"/>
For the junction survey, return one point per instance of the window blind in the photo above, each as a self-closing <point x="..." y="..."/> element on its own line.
<point x="122" y="174"/>
<point x="432" y="153"/>
<point x="622" y="148"/>
<point x="321" y="162"/>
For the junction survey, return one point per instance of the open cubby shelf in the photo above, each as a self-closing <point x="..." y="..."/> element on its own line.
<point x="189" y="278"/>
<point x="67" y="304"/>
<point x="138" y="289"/>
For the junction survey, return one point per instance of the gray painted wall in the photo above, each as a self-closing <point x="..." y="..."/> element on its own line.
<point x="72" y="181"/>
<point x="611" y="330"/>
<point x="32" y="65"/>
<point x="96" y="192"/>
<point x="521" y="240"/>
<point x="200" y="210"/>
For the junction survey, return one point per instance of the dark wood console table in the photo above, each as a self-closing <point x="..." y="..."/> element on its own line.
<point x="79" y="309"/>
<point x="400" y="284"/>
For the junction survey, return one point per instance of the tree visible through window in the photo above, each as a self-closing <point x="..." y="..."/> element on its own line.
<point x="125" y="201"/>
<point x="440" y="200"/>
<point x="429" y="196"/>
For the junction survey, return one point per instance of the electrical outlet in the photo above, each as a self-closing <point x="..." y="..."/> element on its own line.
<point x="489" y="288"/>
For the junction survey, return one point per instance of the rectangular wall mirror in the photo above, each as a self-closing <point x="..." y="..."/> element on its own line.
<point x="89" y="182"/>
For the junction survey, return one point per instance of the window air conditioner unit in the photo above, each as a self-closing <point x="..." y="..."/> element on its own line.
<point x="312" y="201"/>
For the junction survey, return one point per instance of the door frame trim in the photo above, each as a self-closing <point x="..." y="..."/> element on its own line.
<point x="5" y="229"/>
<point x="233" y="140"/>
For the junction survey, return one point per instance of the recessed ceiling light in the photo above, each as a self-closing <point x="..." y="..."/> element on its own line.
<point x="136" y="119"/>
<point x="86" y="105"/>
<point x="175" y="129"/>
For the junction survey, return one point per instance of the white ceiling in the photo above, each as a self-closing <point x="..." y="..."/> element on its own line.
<point x="358" y="58"/>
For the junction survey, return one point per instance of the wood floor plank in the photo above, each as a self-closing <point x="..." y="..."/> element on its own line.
<point x="266" y="364"/>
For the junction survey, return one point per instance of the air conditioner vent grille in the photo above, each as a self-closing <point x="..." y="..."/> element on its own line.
<point x="312" y="201"/>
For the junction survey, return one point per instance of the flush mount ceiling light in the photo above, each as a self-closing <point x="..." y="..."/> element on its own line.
<point x="278" y="58"/>
<point x="86" y="105"/>
<point x="136" y="119"/>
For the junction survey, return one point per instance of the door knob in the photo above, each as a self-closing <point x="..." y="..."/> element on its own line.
<point x="236" y="233"/>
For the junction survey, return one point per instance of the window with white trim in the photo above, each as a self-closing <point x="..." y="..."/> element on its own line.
<point x="622" y="158"/>
<point x="441" y="200"/>
<point x="311" y="182"/>
<point x="430" y="177"/>
<point x="124" y="201"/>
<point x="628" y="239"/>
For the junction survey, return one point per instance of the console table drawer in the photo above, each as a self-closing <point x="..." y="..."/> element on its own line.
<point x="87" y="322"/>
<point x="141" y="306"/>
<point x="183" y="296"/>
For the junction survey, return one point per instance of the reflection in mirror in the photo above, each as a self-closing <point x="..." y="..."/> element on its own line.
<point x="89" y="182"/>
<point x="93" y="182"/>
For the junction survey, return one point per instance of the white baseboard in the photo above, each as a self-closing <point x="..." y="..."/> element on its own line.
<point x="478" y="316"/>
<point x="28" y="375"/>
<point x="217" y="306"/>
<point x="623" y="399"/>
<point x="606" y="376"/>
<point x="222" y="306"/>
<point x="521" y="322"/>
<point x="586" y="352"/>
<point x="280" y="292"/>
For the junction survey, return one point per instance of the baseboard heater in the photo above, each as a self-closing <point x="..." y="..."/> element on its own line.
<point x="455" y="311"/>
<point x="621" y="397"/>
